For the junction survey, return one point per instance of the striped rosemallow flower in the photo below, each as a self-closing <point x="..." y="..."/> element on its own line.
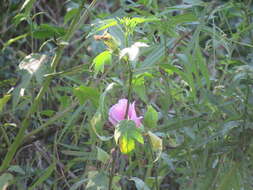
<point x="118" y="111"/>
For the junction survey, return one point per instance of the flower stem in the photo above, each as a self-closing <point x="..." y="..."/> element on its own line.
<point x="129" y="89"/>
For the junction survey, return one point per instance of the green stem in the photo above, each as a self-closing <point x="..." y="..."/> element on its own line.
<point x="129" y="88"/>
<point x="154" y="165"/>
<point x="114" y="158"/>
<point x="26" y="122"/>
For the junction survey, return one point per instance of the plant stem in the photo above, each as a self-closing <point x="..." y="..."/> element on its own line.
<point x="26" y="122"/>
<point x="153" y="158"/>
<point x="114" y="158"/>
<point x="129" y="88"/>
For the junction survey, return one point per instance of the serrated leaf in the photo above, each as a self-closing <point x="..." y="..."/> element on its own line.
<point x="84" y="93"/>
<point x="140" y="88"/>
<point x="151" y="117"/>
<point x="100" y="60"/>
<point x="102" y="25"/>
<point x="48" y="31"/>
<point x="154" y="57"/>
<point x="184" y="18"/>
<point x="137" y="136"/>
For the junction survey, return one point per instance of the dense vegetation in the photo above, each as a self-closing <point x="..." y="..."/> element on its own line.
<point x="122" y="95"/>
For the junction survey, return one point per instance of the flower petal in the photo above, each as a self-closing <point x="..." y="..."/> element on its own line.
<point x="117" y="111"/>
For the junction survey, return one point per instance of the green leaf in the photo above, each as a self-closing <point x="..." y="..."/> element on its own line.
<point x="84" y="93"/>
<point x="156" y="143"/>
<point x="102" y="25"/>
<point x="48" y="31"/>
<point x="3" y="101"/>
<point x="5" y="179"/>
<point x="154" y="57"/>
<point x="126" y="144"/>
<point x="28" y="5"/>
<point x="137" y="136"/>
<point x="126" y="133"/>
<point x="183" y="18"/>
<point x="100" y="60"/>
<point x="171" y="68"/>
<point x="151" y="117"/>
<point x="97" y="181"/>
<point x="44" y="177"/>
<point x="140" y="88"/>
<point x="48" y="112"/>
<point x="70" y="14"/>
<point x="139" y="184"/>
<point x="17" y="169"/>
<point x="202" y="65"/>
<point x="131" y="23"/>
<point x="102" y="155"/>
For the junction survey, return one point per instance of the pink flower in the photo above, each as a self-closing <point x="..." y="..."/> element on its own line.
<point x="117" y="113"/>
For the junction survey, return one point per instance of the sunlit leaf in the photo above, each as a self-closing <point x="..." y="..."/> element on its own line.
<point x="156" y="143"/>
<point x="126" y="144"/>
<point x="126" y="133"/>
<point x="100" y="61"/>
